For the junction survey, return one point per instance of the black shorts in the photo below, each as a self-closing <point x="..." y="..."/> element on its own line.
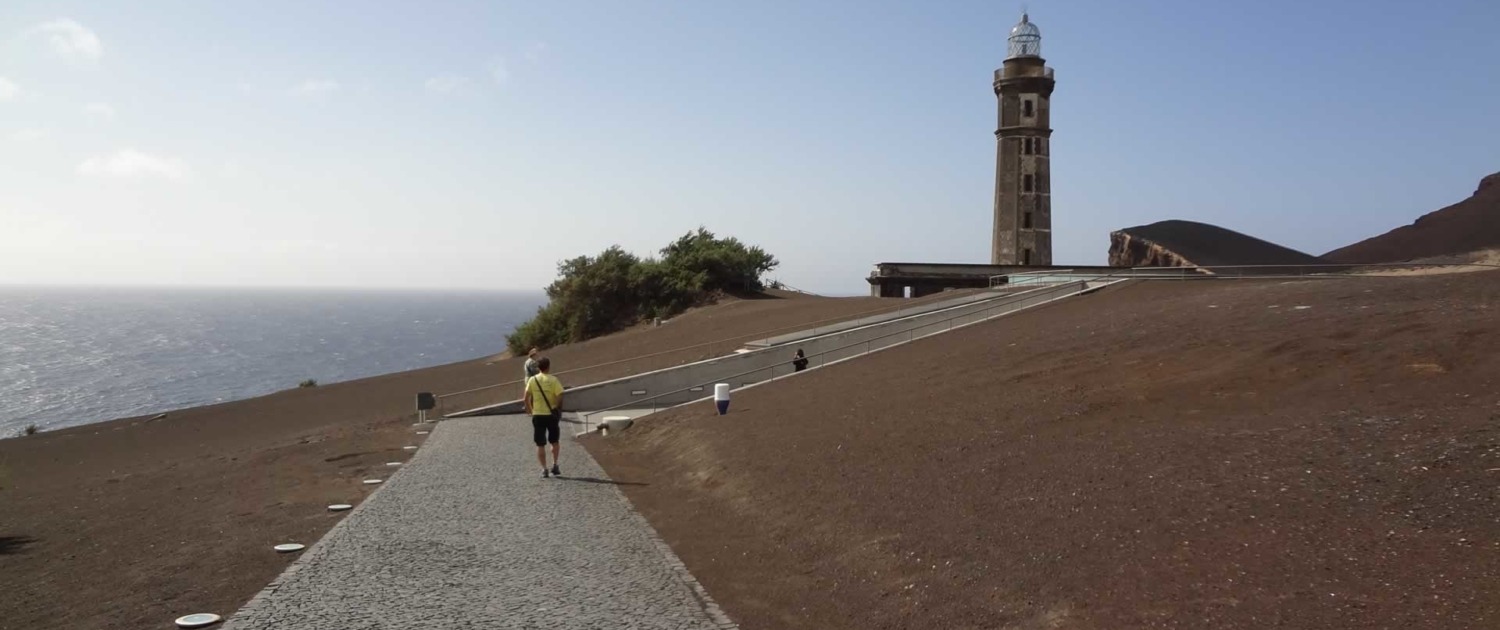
<point x="545" y="430"/>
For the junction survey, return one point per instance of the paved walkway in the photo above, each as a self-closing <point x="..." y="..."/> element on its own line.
<point x="468" y="535"/>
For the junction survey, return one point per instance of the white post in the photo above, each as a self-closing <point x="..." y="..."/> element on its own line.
<point x="721" y="397"/>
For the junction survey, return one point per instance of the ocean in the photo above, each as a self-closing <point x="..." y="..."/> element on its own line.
<point x="73" y="356"/>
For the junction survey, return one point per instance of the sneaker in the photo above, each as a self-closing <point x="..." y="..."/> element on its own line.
<point x="555" y="471"/>
<point x="544" y="473"/>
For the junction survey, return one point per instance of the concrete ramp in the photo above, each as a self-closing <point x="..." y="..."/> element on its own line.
<point x="803" y="335"/>
<point x="676" y="385"/>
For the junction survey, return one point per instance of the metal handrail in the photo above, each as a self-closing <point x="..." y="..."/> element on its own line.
<point x="1026" y="273"/>
<point x="1340" y="265"/>
<point x="1321" y="271"/>
<point x="910" y="333"/>
<point x="1180" y="273"/>
<point x="750" y="337"/>
<point x="1133" y="273"/>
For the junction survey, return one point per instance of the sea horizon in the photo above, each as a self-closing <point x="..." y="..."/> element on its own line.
<point x="80" y="354"/>
<point x="4" y="286"/>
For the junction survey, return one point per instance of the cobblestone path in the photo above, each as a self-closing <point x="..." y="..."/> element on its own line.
<point x="468" y="535"/>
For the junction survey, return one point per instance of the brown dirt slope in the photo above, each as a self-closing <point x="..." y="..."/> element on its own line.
<point x="1184" y="243"/>
<point x="1469" y="225"/>
<point x="128" y="524"/>
<point x="1240" y="454"/>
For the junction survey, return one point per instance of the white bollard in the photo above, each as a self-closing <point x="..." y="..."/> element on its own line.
<point x="616" y="423"/>
<point x="721" y="397"/>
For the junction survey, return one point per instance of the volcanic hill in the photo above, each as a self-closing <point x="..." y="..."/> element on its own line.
<point x="1178" y="243"/>
<point x="1469" y="225"/>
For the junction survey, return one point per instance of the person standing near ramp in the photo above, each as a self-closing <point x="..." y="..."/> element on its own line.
<point x="543" y="401"/>
<point x="528" y="370"/>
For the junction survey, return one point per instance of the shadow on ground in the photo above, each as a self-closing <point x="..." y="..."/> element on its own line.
<point x="598" y="480"/>
<point x="10" y="545"/>
<point x="754" y="295"/>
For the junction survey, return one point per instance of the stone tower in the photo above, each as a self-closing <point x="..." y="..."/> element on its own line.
<point x="1023" y="182"/>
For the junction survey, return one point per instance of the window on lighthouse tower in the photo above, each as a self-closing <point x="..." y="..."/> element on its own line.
<point x="1026" y="109"/>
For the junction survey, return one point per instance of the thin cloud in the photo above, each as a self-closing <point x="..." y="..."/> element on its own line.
<point x="132" y="164"/>
<point x="70" y="40"/>
<point x="318" y="88"/>
<point x="535" y="52"/>
<point x="231" y="169"/>
<point x="8" y="91"/>
<point x="99" y="111"/>
<point x="29" y="134"/>
<point x="499" y="71"/>
<point x="448" y="84"/>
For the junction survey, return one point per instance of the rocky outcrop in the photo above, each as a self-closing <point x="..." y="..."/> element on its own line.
<point x="1179" y="243"/>
<point x="1467" y="226"/>
<point x="1129" y="251"/>
<point x="1489" y="182"/>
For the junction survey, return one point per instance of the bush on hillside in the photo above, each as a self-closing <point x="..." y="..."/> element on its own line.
<point x="598" y="295"/>
<point x="715" y="264"/>
<point x="308" y="383"/>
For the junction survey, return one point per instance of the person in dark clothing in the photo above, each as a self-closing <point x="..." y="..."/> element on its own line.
<point x="799" y="363"/>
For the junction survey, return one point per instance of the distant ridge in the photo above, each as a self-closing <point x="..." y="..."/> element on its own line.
<point x="1178" y="243"/>
<point x="1469" y="225"/>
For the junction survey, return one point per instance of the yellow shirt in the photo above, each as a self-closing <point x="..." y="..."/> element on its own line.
<point x="538" y="384"/>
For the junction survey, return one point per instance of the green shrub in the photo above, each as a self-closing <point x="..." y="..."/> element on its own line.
<point x="312" y="382"/>
<point x="598" y="295"/>
<point x="545" y="330"/>
<point x="716" y="264"/>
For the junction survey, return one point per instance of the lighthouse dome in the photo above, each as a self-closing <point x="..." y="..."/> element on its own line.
<point x="1025" y="39"/>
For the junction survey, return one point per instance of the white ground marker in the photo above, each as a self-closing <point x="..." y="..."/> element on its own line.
<point x="198" y="620"/>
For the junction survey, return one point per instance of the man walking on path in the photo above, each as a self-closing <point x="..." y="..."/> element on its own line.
<point x="544" y="400"/>
<point x="529" y="370"/>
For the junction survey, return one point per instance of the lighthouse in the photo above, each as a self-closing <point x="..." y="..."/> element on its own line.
<point x="1023" y="181"/>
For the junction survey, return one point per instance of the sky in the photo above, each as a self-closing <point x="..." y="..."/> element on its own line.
<point x="476" y="144"/>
